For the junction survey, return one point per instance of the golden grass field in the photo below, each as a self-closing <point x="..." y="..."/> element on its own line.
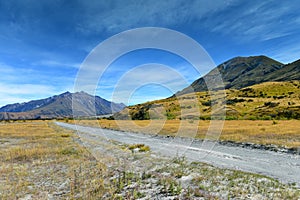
<point x="39" y="159"/>
<point x="280" y="132"/>
<point x="256" y="114"/>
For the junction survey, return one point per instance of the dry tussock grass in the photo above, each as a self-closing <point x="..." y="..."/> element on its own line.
<point x="40" y="160"/>
<point x="281" y="132"/>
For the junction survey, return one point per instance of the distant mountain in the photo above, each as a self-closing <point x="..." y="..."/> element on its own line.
<point x="31" y="105"/>
<point x="239" y="72"/>
<point x="62" y="105"/>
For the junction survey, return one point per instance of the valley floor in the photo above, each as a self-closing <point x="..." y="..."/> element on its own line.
<point x="283" y="133"/>
<point x="282" y="166"/>
<point x="40" y="160"/>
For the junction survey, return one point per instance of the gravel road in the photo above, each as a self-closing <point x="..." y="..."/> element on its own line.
<point x="282" y="166"/>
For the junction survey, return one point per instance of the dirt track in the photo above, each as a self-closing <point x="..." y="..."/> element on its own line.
<point x="283" y="166"/>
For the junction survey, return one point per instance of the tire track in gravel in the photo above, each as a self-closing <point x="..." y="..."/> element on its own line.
<point x="282" y="166"/>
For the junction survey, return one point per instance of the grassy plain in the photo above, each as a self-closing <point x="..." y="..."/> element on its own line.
<point x="285" y="133"/>
<point x="266" y="113"/>
<point x="40" y="160"/>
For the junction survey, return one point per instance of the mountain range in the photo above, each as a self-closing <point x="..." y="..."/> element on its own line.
<point x="60" y="106"/>
<point x="237" y="73"/>
<point x="256" y="87"/>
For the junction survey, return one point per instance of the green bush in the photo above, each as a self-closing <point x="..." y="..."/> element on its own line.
<point x="140" y="147"/>
<point x="271" y="104"/>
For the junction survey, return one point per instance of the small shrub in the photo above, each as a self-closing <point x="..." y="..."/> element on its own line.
<point x="252" y="118"/>
<point x="144" y="148"/>
<point x="65" y="135"/>
<point x="170" y="115"/>
<point x="271" y="104"/>
<point x="266" y="117"/>
<point x="234" y="101"/>
<point x="206" y="103"/>
<point x="69" y="151"/>
<point x="231" y="117"/>
<point x="140" y="147"/>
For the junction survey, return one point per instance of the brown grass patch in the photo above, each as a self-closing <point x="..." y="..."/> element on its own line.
<point x="40" y="160"/>
<point x="281" y="132"/>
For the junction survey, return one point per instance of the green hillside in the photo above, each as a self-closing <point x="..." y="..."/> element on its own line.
<point x="270" y="100"/>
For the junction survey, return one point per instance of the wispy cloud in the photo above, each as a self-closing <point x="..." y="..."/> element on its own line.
<point x="161" y="80"/>
<point x="10" y="99"/>
<point x="4" y="68"/>
<point x="262" y="20"/>
<point x="55" y="63"/>
<point x="41" y="48"/>
<point x="132" y="14"/>
<point x="21" y="84"/>
<point x="15" y="93"/>
<point x="282" y="56"/>
<point x="25" y="89"/>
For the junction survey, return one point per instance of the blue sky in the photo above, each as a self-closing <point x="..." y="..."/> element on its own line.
<point x="43" y="43"/>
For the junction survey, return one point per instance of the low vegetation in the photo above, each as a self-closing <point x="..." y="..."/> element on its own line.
<point x="284" y="133"/>
<point x="266" y="113"/>
<point x="138" y="148"/>
<point x="266" y="101"/>
<point x="42" y="161"/>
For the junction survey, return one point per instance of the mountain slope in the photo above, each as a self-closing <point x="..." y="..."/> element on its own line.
<point x="257" y="87"/>
<point x="237" y="73"/>
<point x="61" y="105"/>
<point x="23" y="107"/>
<point x="270" y="100"/>
<point x="286" y="73"/>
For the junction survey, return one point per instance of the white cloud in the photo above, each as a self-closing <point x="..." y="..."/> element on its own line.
<point x="54" y="63"/>
<point x="17" y="93"/>
<point x="8" y="99"/>
<point x="25" y="89"/>
<point x="239" y="21"/>
<point x="156" y="76"/>
<point x="20" y="84"/>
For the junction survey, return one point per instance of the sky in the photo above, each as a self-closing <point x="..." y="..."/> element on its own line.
<point x="44" y="43"/>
